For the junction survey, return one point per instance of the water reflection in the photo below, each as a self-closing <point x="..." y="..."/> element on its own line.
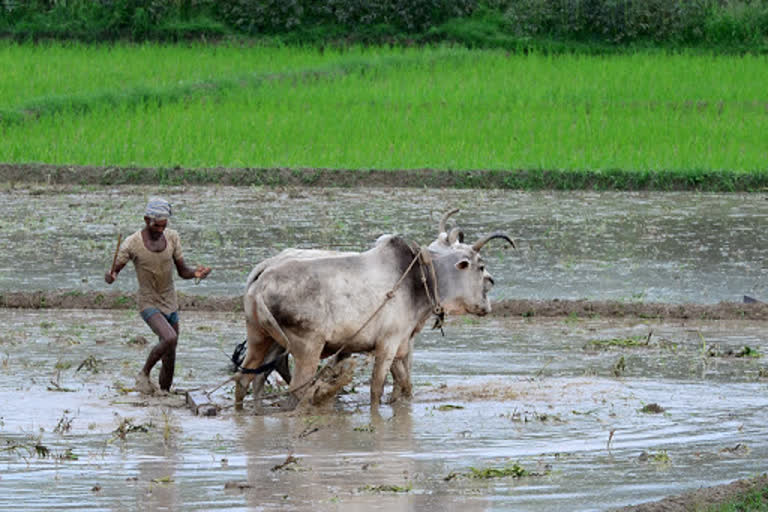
<point x="489" y="393"/>
<point x="157" y="479"/>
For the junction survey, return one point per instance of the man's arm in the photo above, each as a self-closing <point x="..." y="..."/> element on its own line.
<point x="186" y="272"/>
<point x="111" y="275"/>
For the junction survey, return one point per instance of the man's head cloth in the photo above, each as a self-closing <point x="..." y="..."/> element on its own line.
<point x="157" y="208"/>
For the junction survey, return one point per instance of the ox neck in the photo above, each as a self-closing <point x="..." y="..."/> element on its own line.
<point x="429" y="274"/>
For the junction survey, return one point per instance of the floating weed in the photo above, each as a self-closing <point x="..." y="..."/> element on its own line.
<point x="139" y="341"/>
<point x="64" y="424"/>
<point x="91" y="364"/>
<point x="630" y="342"/>
<point x="365" y="428"/>
<point x="126" y="427"/>
<point x="387" y="488"/>
<point x="528" y="416"/>
<point x="620" y="367"/>
<point x="510" y="470"/>
<point x="745" y="351"/>
<point x="652" y="408"/>
<point x="738" y="449"/>
<point x="68" y="454"/>
<point x="28" y="448"/>
<point x="448" y="407"/>
<point x="660" y="457"/>
<point x="290" y="463"/>
<point x="63" y="365"/>
<point x="515" y="471"/>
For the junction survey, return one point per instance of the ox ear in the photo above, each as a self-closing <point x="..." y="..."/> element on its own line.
<point x="462" y="264"/>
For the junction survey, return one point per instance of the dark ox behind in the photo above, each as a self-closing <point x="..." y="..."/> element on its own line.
<point x="317" y="303"/>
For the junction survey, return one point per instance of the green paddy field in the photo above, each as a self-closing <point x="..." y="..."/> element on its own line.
<point x="439" y="108"/>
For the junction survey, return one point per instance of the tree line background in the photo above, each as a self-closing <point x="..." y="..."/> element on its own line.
<point x="726" y="24"/>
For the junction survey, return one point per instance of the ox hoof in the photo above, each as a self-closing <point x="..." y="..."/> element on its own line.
<point x="240" y="392"/>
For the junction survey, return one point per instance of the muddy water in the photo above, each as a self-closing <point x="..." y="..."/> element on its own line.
<point x="492" y="392"/>
<point x="654" y="247"/>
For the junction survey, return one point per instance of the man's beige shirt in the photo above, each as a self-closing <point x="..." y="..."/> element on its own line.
<point x="154" y="270"/>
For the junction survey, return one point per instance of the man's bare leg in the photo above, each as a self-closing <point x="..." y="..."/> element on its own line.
<point x="165" y="349"/>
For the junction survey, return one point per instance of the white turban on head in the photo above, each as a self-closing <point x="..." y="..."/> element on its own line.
<point x="157" y="208"/>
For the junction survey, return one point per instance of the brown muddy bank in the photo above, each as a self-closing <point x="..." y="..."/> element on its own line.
<point x="704" y="498"/>
<point x="527" y="179"/>
<point x="75" y="299"/>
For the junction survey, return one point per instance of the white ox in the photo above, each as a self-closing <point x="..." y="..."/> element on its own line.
<point x="316" y="303"/>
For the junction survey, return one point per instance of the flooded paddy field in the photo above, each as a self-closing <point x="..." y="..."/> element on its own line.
<point x="511" y="413"/>
<point x="599" y="413"/>
<point x="676" y="247"/>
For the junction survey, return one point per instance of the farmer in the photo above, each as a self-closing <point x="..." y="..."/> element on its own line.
<point x="154" y="250"/>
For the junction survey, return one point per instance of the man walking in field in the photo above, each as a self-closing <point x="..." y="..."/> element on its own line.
<point x="154" y="251"/>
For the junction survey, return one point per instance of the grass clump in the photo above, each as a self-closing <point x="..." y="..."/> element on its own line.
<point x="513" y="470"/>
<point x="756" y="500"/>
<point x="629" y="342"/>
<point x="652" y="408"/>
<point x="387" y="488"/>
<point x="510" y="470"/>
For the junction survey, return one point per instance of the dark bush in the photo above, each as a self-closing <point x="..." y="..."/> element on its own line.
<point x="621" y="21"/>
<point x="482" y="23"/>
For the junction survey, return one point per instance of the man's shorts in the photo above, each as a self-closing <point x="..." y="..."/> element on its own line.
<point x="173" y="318"/>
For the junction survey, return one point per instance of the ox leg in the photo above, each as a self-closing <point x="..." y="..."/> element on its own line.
<point x="305" y="361"/>
<point x="280" y="356"/>
<point x="401" y="381"/>
<point x="401" y="372"/>
<point x="381" y="366"/>
<point x="258" y="347"/>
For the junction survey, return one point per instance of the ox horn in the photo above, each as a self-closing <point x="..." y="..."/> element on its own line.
<point x="480" y="243"/>
<point x="455" y="234"/>
<point x="441" y="226"/>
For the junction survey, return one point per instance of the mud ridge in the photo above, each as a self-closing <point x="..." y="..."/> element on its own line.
<point x="616" y="179"/>
<point x="701" y="499"/>
<point x="76" y="299"/>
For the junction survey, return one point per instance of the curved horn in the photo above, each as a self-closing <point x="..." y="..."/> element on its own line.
<point x="480" y="243"/>
<point x="441" y="226"/>
<point x="455" y="234"/>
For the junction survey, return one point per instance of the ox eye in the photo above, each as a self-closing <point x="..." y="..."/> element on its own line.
<point x="481" y="268"/>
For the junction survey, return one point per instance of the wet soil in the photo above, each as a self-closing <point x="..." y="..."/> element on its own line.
<point x="702" y="499"/>
<point x="490" y="393"/>
<point x="75" y="299"/>
<point x="528" y="384"/>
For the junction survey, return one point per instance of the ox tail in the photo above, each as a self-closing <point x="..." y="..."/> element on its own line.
<point x="263" y="313"/>
<point x="255" y="273"/>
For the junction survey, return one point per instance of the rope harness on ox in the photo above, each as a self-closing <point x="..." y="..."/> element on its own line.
<point x="422" y="256"/>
